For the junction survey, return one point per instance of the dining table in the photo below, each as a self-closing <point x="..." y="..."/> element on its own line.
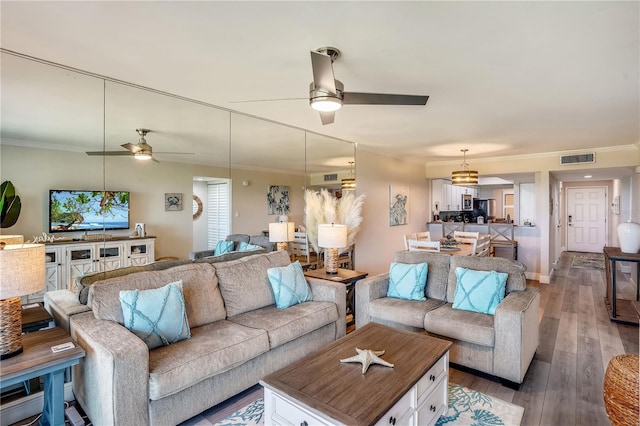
<point x="463" y="249"/>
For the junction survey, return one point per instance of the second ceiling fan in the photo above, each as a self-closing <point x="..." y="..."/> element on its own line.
<point x="140" y="151"/>
<point x="327" y="95"/>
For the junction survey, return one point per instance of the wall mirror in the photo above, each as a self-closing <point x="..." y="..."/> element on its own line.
<point x="51" y="116"/>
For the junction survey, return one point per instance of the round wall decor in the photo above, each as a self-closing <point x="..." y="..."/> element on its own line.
<point x="197" y="207"/>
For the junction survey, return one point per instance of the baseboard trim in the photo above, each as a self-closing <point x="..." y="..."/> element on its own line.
<point x="28" y="406"/>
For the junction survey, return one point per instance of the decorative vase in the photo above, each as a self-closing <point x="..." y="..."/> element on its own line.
<point x="629" y="237"/>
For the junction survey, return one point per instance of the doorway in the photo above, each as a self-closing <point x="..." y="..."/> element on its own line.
<point x="586" y="219"/>
<point x="214" y="221"/>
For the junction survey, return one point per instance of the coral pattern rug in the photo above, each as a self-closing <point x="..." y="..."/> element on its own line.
<point x="466" y="407"/>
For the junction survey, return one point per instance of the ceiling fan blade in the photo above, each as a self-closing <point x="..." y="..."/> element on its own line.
<point x="327" y="117"/>
<point x="131" y="147"/>
<point x="269" y="100"/>
<point x="154" y="160"/>
<point x="109" y="153"/>
<point x="353" y="98"/>
<point x="178" y="153"/>
<point x="323" y="72"/>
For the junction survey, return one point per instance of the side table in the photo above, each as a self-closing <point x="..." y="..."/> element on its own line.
<point x="620" y="310"/>
<point x="37" y="359"/>
<point x="344" y="276"/>
<point x="35" y="317"/>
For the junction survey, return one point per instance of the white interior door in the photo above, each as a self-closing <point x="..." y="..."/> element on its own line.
<point x="586" y="219"/>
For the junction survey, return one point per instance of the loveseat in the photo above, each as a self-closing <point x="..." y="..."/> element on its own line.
<point x="501" y="345"/>
<point x="237" y="336"/>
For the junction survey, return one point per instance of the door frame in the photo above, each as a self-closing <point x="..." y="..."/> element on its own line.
<point x="605" y="212"/>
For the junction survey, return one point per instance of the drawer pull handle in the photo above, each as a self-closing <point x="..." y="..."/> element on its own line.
<point x="432" y="377"/>
<point x="304" y="423"/>
<point x="432" y="408"/>
<point x="392" y="420"/>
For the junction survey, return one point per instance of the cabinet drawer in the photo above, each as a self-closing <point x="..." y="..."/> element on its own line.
<point x="432" y="376"/>
<point x="434" y="405"/>
<point x="287" y="413"/>
<point x="398" y="411"/>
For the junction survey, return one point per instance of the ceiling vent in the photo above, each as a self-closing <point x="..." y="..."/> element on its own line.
<point x="331" y="178"/>
<point x="578" y="158"/>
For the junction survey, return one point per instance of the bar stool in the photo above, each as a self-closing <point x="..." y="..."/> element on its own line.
<point x="502" y="236"/>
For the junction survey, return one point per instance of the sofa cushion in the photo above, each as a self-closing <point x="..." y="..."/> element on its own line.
<point x="223" y="247"/>
<point x="479" y="291"/>
<point x="467" y="326"/>
<point x="262" y="241"/>
<point x="237" y="239"/>
<point x="407" y="281"/>
<point x="212" y="349"/>
<point x="515" y="281"/>
<point x="242" y="246"/>
<point x="84" y="282"/>
<point x="157" y="316"/>
<point x="289" y="285"/>
<point x="408" y="312"/>
<point x="202" y="298"/>
<point x="438" y="264"/>
<point x="244" y="283"/>
<point x="285" y="325"/>
<point x="225" y="257"/>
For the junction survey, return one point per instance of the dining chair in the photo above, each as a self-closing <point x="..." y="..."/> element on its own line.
<point x="465" y="234"/>
<point x="408" y="237"/>
<point x="451" y="227"/>
<point x="416" y="245"/>
<point x="482" y="246"/>
<point x="423" y="236"/>
<point x="299" y="250"/>
<point x="502" y="236"/>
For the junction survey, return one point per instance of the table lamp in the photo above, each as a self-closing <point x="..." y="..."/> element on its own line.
<point x="22" y="272"/>
<point x="281" y="233"/>
<point x="332" y="237"/>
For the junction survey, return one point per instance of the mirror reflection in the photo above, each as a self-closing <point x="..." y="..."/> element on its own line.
<point x="52" y="116"/>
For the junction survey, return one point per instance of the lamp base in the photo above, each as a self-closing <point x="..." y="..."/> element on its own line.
<point x="282" y="246"/>
<point x="331" y="261"/>
<point x="10" y="327"/>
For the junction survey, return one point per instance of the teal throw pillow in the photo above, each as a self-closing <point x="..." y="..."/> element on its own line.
<point x="407" y="280"/>
<point x="479" y="291"/>
<point x="157" y="316"/>
<point x="289" y="285"/>
<point x="246" y="246"/>
<point x="223" y="247"/>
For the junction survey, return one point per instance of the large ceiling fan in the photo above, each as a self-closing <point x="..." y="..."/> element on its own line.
<point x="327" y="95"/>
<point x="140" y="151"/>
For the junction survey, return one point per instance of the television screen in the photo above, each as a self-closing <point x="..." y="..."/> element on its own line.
<point x="88" y="210"/>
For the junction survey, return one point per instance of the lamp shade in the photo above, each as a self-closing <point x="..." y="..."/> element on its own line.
<point x="22" y="270"/>
<point x="281" y="232"/>
<point x="332" y="235"/>
<point x="464" y="177"/>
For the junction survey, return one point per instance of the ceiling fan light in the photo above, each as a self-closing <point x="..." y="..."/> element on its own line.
<point x="142" y="156"/>
<point x="326" y="104"/>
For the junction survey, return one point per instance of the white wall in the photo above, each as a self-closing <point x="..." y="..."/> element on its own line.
<point x="377" y="242"/>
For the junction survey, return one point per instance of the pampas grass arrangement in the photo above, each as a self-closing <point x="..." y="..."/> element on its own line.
<point x="323" y="207"/>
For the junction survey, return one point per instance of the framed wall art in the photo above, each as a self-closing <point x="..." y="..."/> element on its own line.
<point x="172" y="201"/>
<point x="398" y="205"/>
<point x="277" y="199"/>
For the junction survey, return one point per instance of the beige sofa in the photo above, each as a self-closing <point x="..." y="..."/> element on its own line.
<point x="501" y="345"/>
<point x="237" y="337"/>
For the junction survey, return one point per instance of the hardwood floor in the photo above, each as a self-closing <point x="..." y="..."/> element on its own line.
<point x="563" y="385"/>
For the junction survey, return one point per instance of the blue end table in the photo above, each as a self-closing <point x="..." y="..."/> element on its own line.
<point x="37" y="359"/>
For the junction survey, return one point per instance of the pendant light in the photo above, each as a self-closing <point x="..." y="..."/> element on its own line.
<point x="349" y="184"/>
<point x="464" y="176"/>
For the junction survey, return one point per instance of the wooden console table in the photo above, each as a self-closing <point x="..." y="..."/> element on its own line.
<point x="620" y="310"/>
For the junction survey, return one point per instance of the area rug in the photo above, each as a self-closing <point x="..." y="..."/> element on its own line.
<point x="466" y="407"/>
<point x="588" y="261"/>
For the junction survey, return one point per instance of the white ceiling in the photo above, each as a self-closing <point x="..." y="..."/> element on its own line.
<point x="504" y="78"/>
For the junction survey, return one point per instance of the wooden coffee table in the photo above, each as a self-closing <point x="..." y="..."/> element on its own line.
<point x="319" y="389"/>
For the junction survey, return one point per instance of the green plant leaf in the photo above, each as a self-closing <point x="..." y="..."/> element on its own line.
<point x="10" y="211"/>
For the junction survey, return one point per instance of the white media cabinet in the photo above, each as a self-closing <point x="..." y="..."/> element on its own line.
<point x="66" y="260"/>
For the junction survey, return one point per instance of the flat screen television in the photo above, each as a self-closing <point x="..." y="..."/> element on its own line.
<point x="71" y="210"/>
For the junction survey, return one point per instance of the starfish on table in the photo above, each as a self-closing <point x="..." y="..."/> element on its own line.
<point x="368" y="357"/>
